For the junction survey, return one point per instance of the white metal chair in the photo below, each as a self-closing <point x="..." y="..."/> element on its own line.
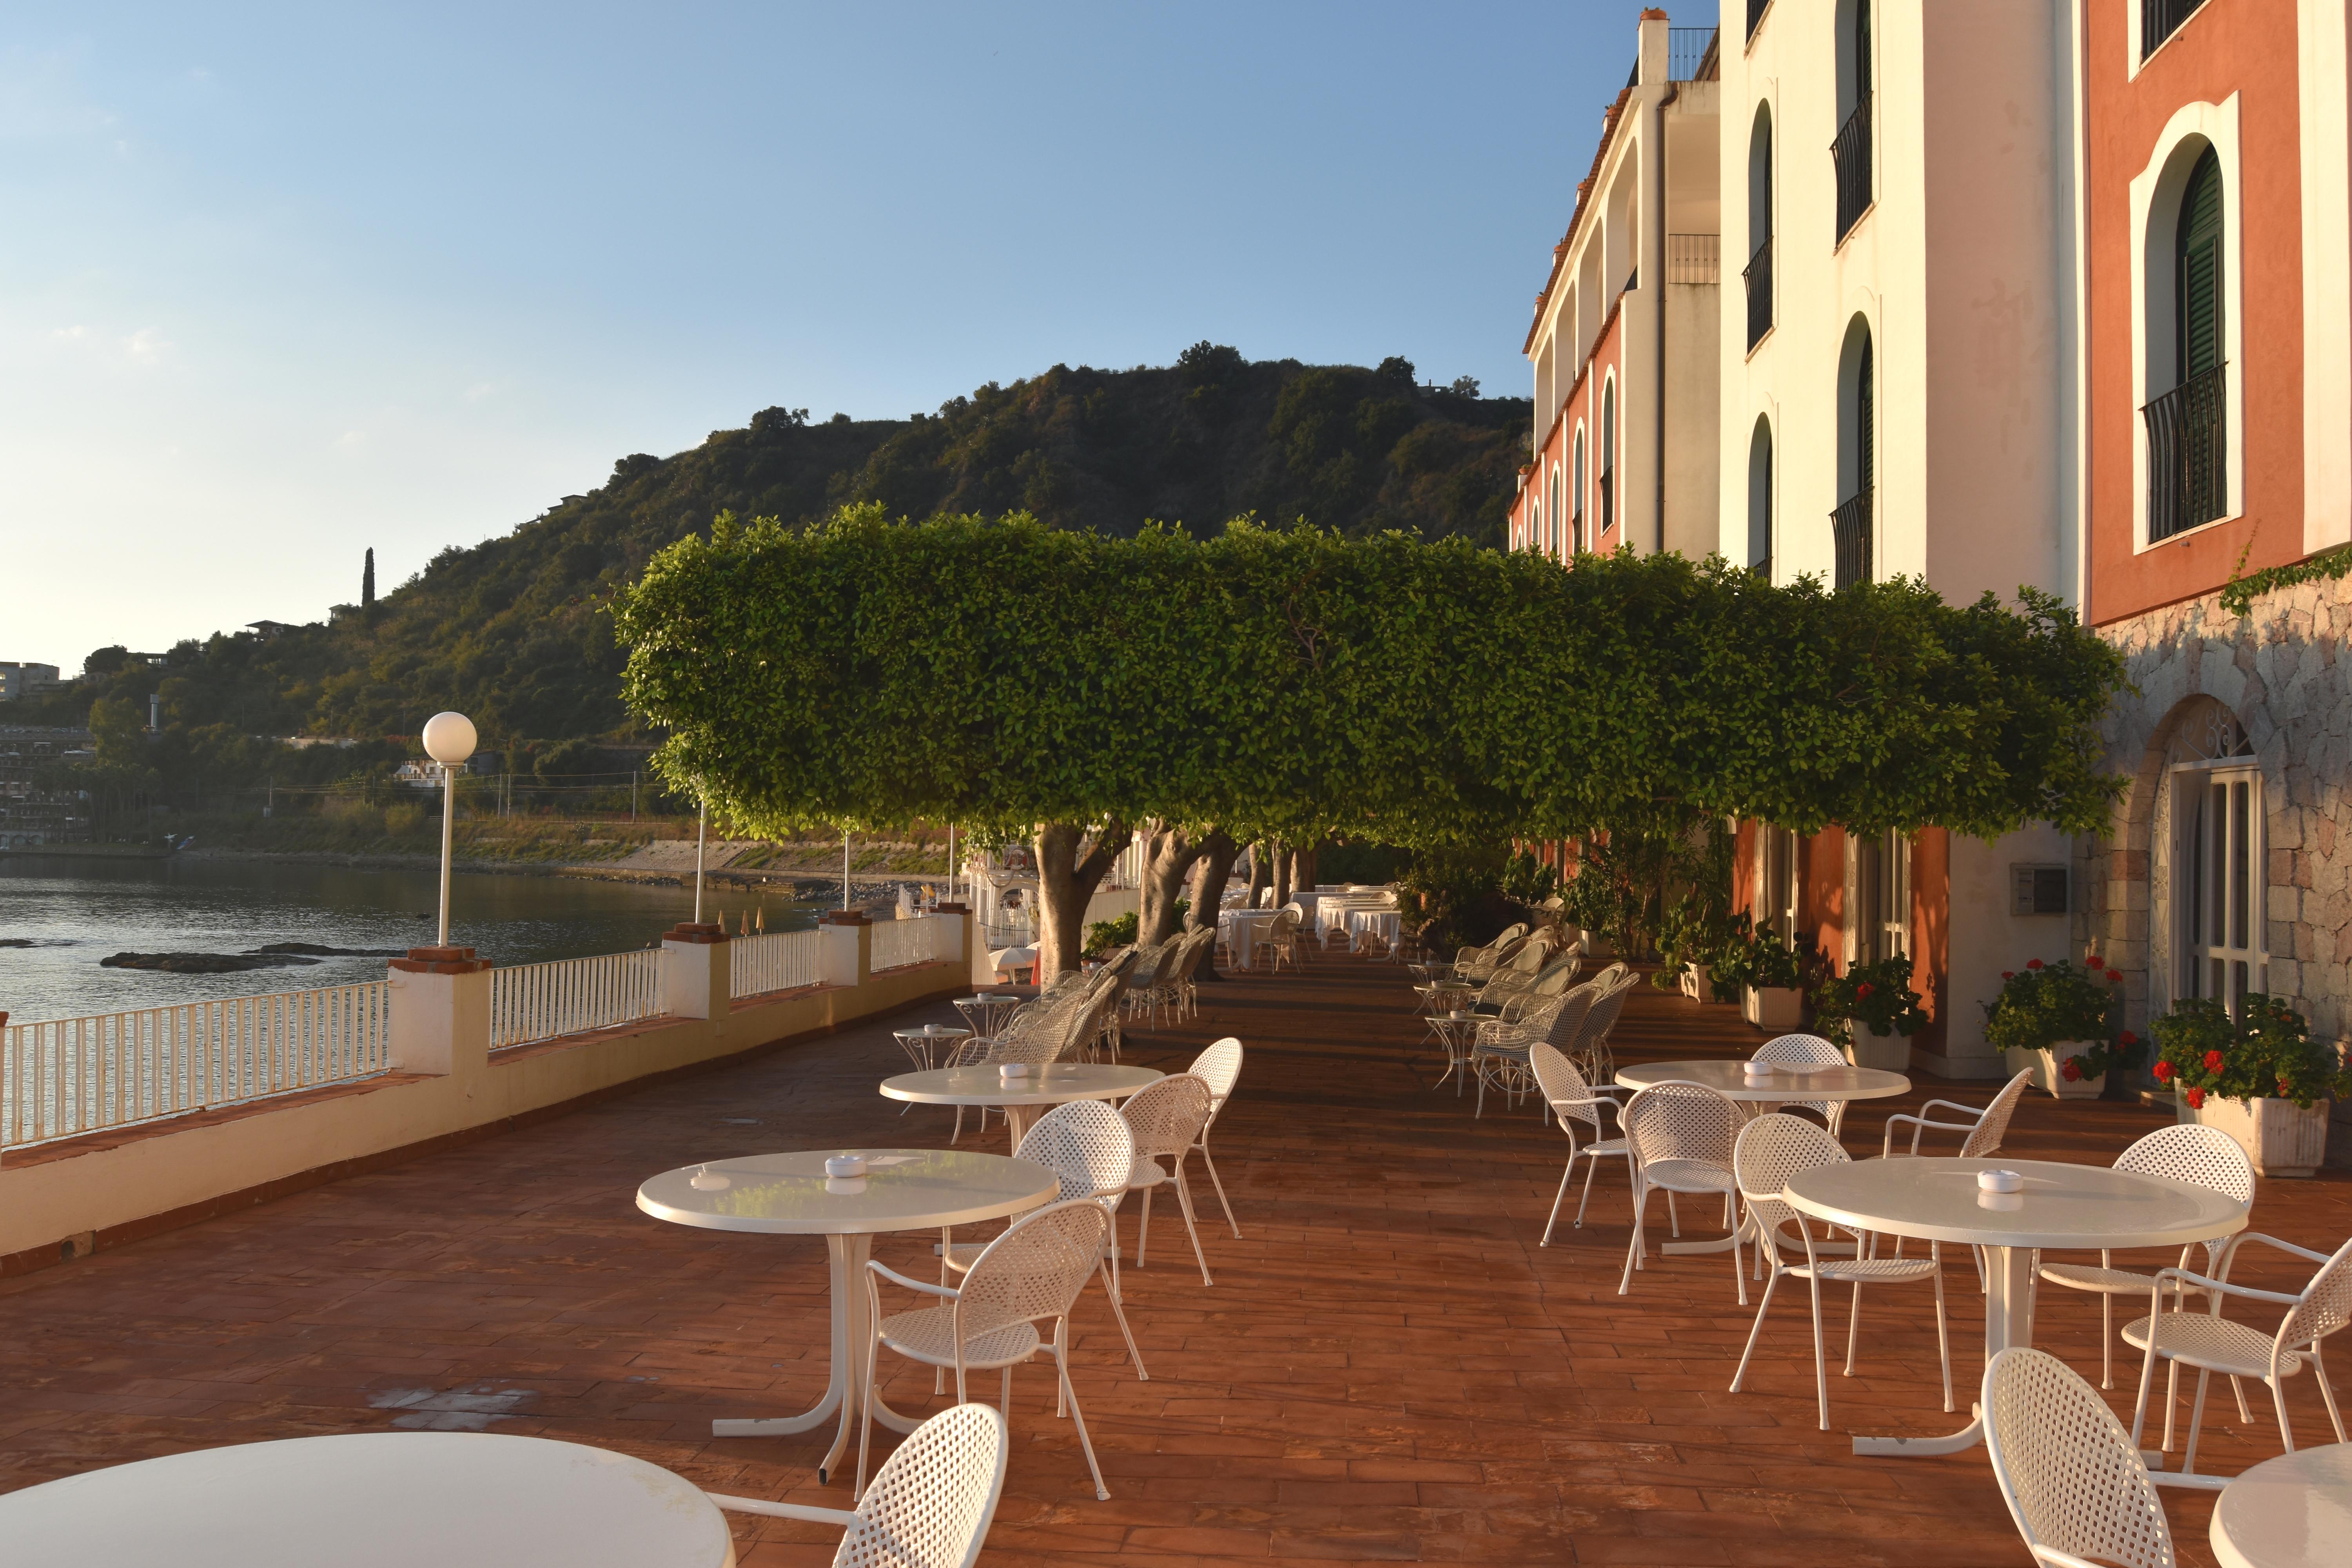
<point x="1499" y="1052"/>
<point x="1219" y="1067"/>
<point x="1151" y="986"/>
<point x="1984" y="1128"/>
<point x="1035" y="1270"/>
<point x="1474" y="963"/>
<point x="2071" y="1477"/>
<point x="1166" y="1117"/>
<point x="1188" y="988"/>
<point x="1575" y="1102"/>
<point x="2211" y="1343"/>
<point x="1769" y="1151"/>
<point x="1680" y="1137"/>
<point x="1590" y="1051"/>
<point x="1811" y="1051"/>
<point x="931" y="1504"/>
<point x="1087" y="1144"/>
<point x="2199" y="1155"/>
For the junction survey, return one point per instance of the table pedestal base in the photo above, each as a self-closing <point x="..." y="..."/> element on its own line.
<point x="2008" y="1320"/>
<point x="845" y="1390"/>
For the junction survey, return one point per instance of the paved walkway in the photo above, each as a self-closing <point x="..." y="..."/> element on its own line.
<point x="1388" y="1368"/>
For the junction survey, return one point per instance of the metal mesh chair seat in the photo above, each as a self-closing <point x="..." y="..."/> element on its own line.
<point x="2214" y="1345"/>
<point x="1866" y="1271"/>
<point x="1689" y="1177"/>
<point x="2107" y="1281"/>
<point x="928" y="1334"/>
<point x="2072" y="1479"/>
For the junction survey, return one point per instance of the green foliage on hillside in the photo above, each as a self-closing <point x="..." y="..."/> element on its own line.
<point x="514" y="631"/>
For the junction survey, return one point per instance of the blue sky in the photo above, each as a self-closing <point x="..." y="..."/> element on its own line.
<point x="280" y="283"/>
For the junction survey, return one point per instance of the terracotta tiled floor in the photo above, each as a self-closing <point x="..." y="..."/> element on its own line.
<point x="1387" y="1368"/>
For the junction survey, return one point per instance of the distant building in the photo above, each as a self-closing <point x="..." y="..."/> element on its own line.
<point x="304" y="742"/>
<point x="268" y="630"/>
<point x="20" y="680"/>
<point x="423" y="775"/>
<point x="35" y="807"/>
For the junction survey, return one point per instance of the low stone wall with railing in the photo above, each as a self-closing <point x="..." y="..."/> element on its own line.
<point x="124" y="1124"/>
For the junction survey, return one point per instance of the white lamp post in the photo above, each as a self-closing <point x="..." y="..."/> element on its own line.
<point x="450" y="739"/>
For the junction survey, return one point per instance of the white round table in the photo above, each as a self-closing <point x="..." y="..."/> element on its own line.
<point x="986" y="1013"/>
<point x="1243" y="929"/>
<point x="2064" y="1208"/>
<point x="922" y="1045"/>
<point x="373" y="1500"/>
<point x="790" y="1194"/>
<point x="1051" y="1083"/>
<point x="2294" y="1511"/>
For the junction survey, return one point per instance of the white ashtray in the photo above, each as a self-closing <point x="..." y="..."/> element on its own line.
<point x="844" y="1186"/>
<point x="1758" y="1069"/>
<point x="845" y="1166"/>
<point x="1012" y="1071"/>
<point x="706" y="1180"/>
<point x="2001" y="1181"/>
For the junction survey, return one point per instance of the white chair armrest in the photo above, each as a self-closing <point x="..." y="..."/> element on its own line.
<point x="783" y="1510"/>
<point x="2244" y="1236"/>
<point x="1975" y="1110"/>
<point x="898" y="1278"/>
<point x="2220" y="1287"/>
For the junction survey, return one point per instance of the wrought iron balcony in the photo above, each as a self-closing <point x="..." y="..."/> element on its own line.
<point x="1690" y="54"/>
<point x="1760" y="292"/>
<point x="1849" y="527"/>
<point x="1850" y="152"/>
<point x="1694" y="259"/>
<point x="2158" y="20"/>
<point x="2188" y="455"/>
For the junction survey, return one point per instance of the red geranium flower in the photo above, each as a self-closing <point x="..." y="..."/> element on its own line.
<point x="2095" y="962"/>
<point x="2009" y="975"/>
<point x="2214" y="1061"/>
<point x="2032" y="963"/>
<point x="2196" y="1099"/>
<point x="2285" y="1092"/>
<point x="2114" y="977"/>
<point x="2126" y="1038"/>
<point x="2164" y="1071"/>
<point x="2073" y="1069"/>
<point x="1864" y="989"/>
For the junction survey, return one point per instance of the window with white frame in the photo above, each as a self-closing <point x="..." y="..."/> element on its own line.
<point x="1878" y="926"/>
<point x="2218" y="883"/>
<point x="1778" y="882"/>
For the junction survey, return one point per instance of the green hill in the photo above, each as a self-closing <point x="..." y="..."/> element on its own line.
<point x="513" y="630"/>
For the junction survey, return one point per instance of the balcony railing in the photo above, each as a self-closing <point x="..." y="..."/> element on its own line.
<point x="1760" y="292"/>
<point x="2160" y="19"/>
<point x="779" y="961"/>
<point x="896" y="943"/>
<point x="1849" y="527"/>
<point x="1755" y="9"/>
<point x="573" y="996"/>
<point x="1690" y="54"/>
<point x="1850" y="152"/>
<point x="77" y="1075"/>
<point x="2188" y="455"/>
<point x="1694" y="259"/>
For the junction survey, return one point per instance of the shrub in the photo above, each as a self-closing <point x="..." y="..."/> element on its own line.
<point x="1761" y="960"/>
<point x="1877" y="995"/>
<point x="1104" y="935"/>
<point x="2044" y="1005"/>
<point x="2264" y="1053"/>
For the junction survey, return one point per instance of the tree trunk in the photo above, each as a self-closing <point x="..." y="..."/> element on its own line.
<point x="1261" y="871"/>
<point x="1209" y="873"/>
<point x="1302" y="868"/>
<point x="1065" y="884"/>
<point x="1170" y="853"/>
<point x="1281" y="857"/>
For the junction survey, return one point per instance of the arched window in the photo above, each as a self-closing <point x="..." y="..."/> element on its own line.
<point x="1760" y="501"/>
<point x="1551" y="536"/>
<point x="1580" y="541"/>
<point x="1851" y="524"/>
<point x="1758" y="274"/>
<point x="1850" y="152"/>
<point x="1608" y="454"/>
<point x="2187" y="428"/>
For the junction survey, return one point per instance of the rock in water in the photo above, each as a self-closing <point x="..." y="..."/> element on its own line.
<point x="312" y="950"/>
<point x="205" y="962"/>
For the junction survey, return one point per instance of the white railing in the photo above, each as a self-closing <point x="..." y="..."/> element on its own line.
<point x="784" y="960"/>
<point x="900" y="942"/>
<point x="72" y="1076"/>
<point x="572" y="995"/>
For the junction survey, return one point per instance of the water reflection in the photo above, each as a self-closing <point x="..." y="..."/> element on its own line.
<point x="78" y="912"/>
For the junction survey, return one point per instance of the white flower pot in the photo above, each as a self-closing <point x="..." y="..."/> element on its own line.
<point x="1779" y="1008"/>
<point x="1698" y="984"/>
<point x="2278" y="1136"/>
<point x="2044" y="1065"/>
<point x="1887" y="1053"/>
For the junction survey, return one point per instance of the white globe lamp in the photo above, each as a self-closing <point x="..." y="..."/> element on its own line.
<point x="450" y="739"/>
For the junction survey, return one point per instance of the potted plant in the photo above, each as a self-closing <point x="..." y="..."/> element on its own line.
<point x="1768" y="972"/>
<point x="1873" y="1012"/>
<point x="2051" y="1019"/>
<point x="1693" y="940"/>
<point x="2259" y="1077"/>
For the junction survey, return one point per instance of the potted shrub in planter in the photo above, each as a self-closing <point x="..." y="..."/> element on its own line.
<point x="2051" y="1020"/>
<point x="1692" y="941"/>
<point x="2259" y="1077"/>
<point x="1769" y="973"/>
<point x="1872" y="1011"/>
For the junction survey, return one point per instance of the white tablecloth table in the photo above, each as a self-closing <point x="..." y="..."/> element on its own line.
<point x="1049" y="1084"/>
<point x="2294" y="1511"/>
<point x="1241" y="929"/>
<point x="372" y="1500"/>
<point x="790" y="1194"/>
<point x="2064" y="1209"/>
<point x="1379" y="923"/>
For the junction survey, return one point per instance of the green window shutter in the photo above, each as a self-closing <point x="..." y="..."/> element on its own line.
<point x="2198" y="254"/>
<point x="1861" y="50"/>
<point x="1866" y="421"/>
